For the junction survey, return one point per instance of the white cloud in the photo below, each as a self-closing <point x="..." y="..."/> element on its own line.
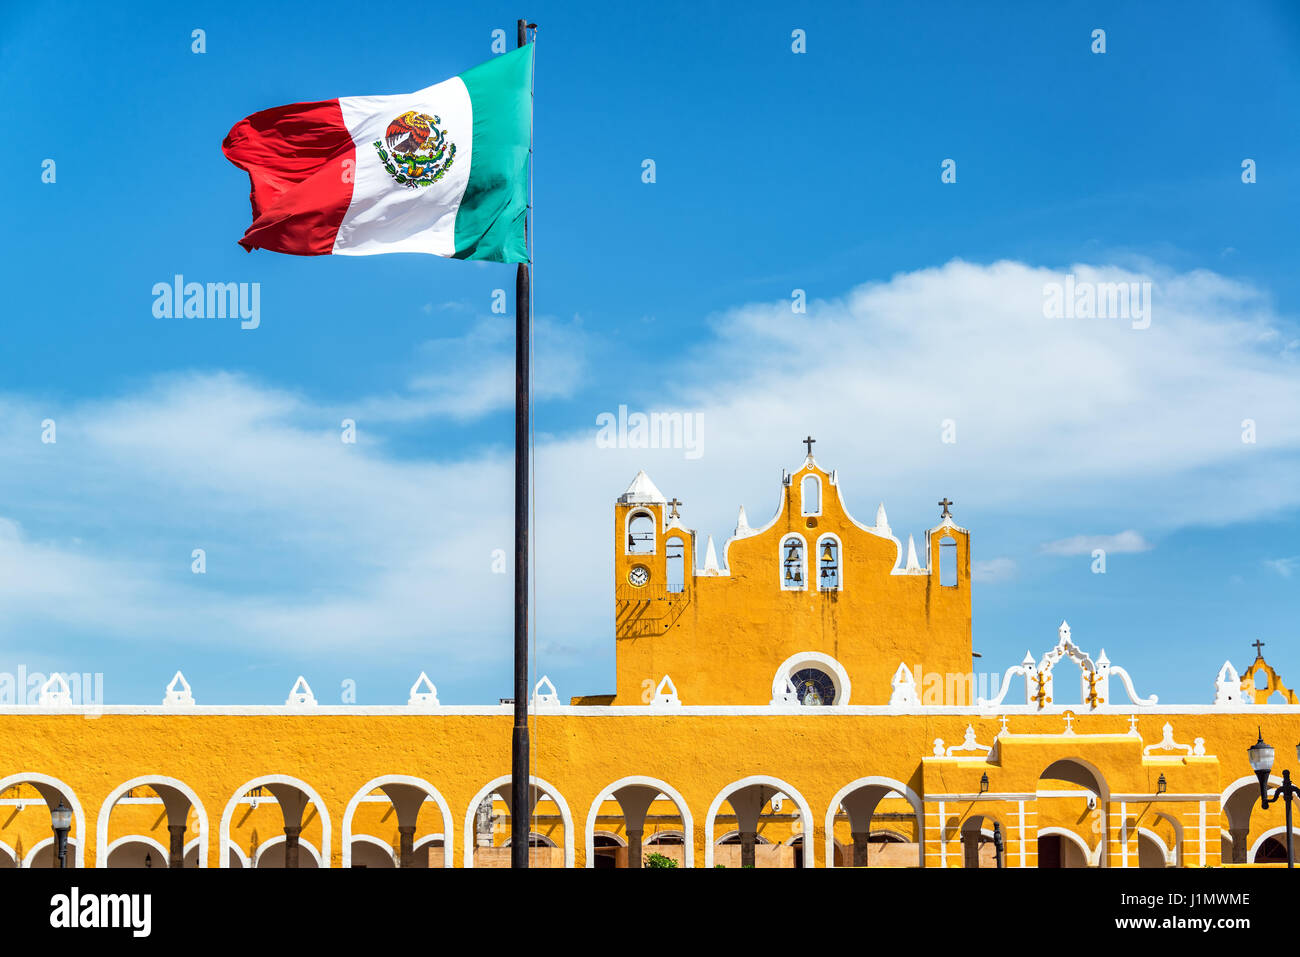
<point x="1119" y="544"/>
<point x="1285" y="567"/>
<point x="993" y="570"/>
<point x="316" y="548"/>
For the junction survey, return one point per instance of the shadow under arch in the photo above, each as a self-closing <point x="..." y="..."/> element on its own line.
<point x="405" y="781"/>
<point x="48" y="787"/>
<point x="885" y="785"/>
<point x="632" y="781"/>
<point x="263" y="780"/>
<point x="102" y="846"/>
<point x="762" y="780"/>
<point x="1084" y="774"/>
<point x="534" y="782"/>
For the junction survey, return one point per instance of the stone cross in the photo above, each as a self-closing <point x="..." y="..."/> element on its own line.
<point x="809" y="442"/>
<point x="674" y="503"/>
<point x="1258" y="645"/>
<point x="945" y="503"/>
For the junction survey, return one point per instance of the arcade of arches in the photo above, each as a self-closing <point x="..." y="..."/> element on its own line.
<point x="801" y="698"/>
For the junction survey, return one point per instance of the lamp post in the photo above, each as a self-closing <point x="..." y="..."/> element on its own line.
<point x="61" y="822"/>
<point x="997" y="844"/>
<point x="1261" y="760"/>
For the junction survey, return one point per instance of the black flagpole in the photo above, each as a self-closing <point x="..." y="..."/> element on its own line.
<point x="520" y="804"/>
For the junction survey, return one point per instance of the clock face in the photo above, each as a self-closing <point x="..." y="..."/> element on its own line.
<point x="639" y="575"/>
<point x="814" y="687"/>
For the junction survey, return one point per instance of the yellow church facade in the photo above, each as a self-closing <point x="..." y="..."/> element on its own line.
<point x="805" y="698"/>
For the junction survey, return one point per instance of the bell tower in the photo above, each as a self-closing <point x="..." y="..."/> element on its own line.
<point x="654" y="561"/>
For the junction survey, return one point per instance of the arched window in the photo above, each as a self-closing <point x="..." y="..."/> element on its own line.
<point x="814" y="687"/>
<point x="811" y="495"/>
<point x="793" y="571"/>
<point x="675" y="554"/>
<point x="948" y="561"/>
<point x="640" y="534"/>
<point x="828" y="563"/>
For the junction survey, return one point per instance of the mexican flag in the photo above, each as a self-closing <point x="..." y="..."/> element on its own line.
<point x="441" y="171"/>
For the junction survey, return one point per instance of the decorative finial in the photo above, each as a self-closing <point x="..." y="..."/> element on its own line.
<point x="1258" y="645"/>
<point x="809" y="442"/>
<point x="946" y="505"/>
<point x="674" y="503"/>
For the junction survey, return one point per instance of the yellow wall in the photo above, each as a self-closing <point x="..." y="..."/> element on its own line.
<point x="582" y="753"/>
<point x="723" y="637"/>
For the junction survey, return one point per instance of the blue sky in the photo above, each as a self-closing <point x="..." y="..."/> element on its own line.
<point x="775" y="171"/>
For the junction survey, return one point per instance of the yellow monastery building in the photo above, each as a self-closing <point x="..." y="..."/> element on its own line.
<point x="805" y="699"/>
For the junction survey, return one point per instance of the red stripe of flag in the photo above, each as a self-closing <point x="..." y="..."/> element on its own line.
<point x="295" y="159"/>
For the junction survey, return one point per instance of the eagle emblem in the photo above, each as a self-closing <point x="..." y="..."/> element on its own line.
<point x="415" y="150"/>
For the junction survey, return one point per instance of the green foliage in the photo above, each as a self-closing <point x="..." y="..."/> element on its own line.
<point x="659" y="860"/>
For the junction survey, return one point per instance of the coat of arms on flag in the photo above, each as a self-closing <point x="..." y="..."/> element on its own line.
<point x="421" y="151"/>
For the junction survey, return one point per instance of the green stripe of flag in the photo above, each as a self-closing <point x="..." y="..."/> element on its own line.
<point x="490" y="221"/>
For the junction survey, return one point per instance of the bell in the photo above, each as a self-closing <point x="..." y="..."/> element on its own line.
<point x="792" y="553"/>
<point x="827" y="555"/>
<point x="631" y="541"/>
<point x="796" y="576"/>
<point x="826" y="573"/>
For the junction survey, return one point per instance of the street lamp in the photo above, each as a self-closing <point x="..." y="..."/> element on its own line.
<point x="61" y="822"/>
<point x="1261" y="760"/>
<point x="997" y="844"/>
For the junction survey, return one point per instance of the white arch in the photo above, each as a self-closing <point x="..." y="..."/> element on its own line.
<point x="655" y="838"/>
<point x="1259" y="842"/>
<point x="1240" y="783"/>
<point x="632" y="514"/>
<point x="1088" y="853"/>
<point x="371" y="839"/>
<point x="231" y="846"/>
<point x="839" y="555"/>
<point x="303" y="843"/>
<point x="780" y="561"/>
<point x="621" y="842"/>
<point x="803" y="494"/>
<point x="912" y="797"/>
<point x="534" y="781"/>
<point x="261" y="781"/>
<point x="1103" y="801"/>
<point x="1155" y="839"/>
<point x="1175" y="853"/>
<point x="133" y="839"/>
<point x="45" y="842"/>
<point x="805" y="813"/>
<point x="688" y="823"/>
<point x="428" y="839"/>
<point x="844" y="687"/>
<point x="758" y="838"/>
<point x="447" y="822"/>
<point x="78" y="816"/>
<point x="102" y="846"/>
<point x="13" y="855"/>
